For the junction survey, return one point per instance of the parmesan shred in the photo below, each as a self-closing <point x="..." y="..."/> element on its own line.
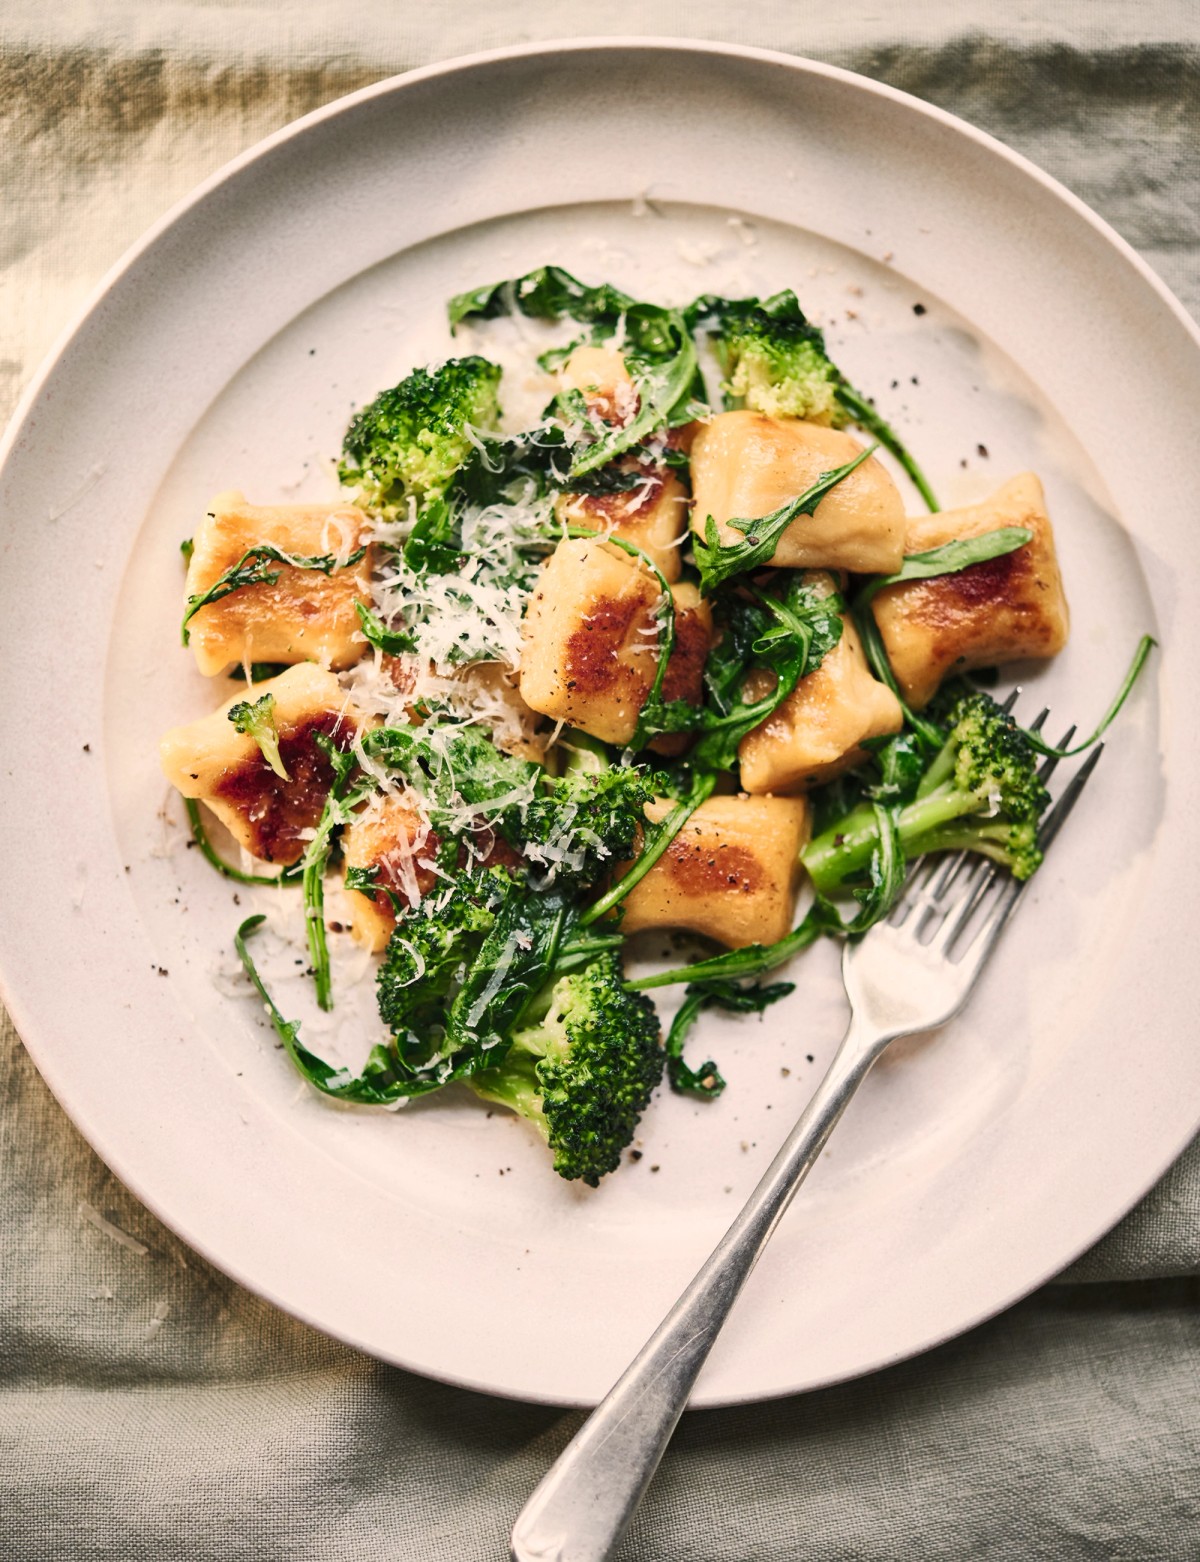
<point x="94" y="1218"/>
<point x="464" y="626"/>
<point x="162" y="1311"/>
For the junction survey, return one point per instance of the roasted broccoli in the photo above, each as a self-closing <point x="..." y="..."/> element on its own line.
<point x="411" y="440"/>
<point x="256" y="719"/>
<point x="583" y="823"/>
<point x="772" y="358"/>
<point x="981" y="792"/>
<point x="585" y="1074"/>
<point x="425" y="962"/>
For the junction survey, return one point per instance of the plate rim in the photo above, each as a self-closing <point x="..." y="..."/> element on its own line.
<point x="26" y="1022"/>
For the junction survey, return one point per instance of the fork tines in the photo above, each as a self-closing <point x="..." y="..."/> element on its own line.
<point x="941" y="921"/>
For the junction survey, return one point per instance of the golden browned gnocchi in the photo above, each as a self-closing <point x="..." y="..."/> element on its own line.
<point x="270" y="815"/>
<point x="600" y="376"/>
<point x="304" y="615"/>
<point x="391" y="837"/>
<point x="820" y="728"/>
<point x="746" y="464"/>
<point x="730" y="874"/>
<point x="1003" y="610"/>
<point x="591" y="635"/>
<point x="652" y="516"/>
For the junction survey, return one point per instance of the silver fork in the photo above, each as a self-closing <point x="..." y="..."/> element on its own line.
<point x="911" y="973"/>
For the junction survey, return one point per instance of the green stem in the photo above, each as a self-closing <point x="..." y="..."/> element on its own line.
<point x="657" y="838"/>
<point x="336" y="812"/>
<point x="1144" y="646"/>
<point x="209" y="853"/>
<point x="877" y="659"/>
<point x="754" y="959"/>
<point x="867" y="417"/>
<point x="847" y="846"/>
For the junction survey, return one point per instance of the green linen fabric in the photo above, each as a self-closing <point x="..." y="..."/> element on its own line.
<point x="151" y="1410"/>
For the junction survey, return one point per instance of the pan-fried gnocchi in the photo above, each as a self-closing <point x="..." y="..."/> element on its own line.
<point x="531" y="697"/>
<point x="731" y="874"/>
<point x="268" y="810"/>
<point x="1008" y="609"/>
<point x="746" y="464"/>
<point x="300" y="615"/>
<point x="591" y="636"/>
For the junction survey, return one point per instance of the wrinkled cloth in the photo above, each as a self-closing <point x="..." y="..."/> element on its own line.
<point x="150" y="1409"/>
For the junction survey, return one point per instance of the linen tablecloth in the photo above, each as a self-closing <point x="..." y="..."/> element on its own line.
<point x="150" y="1410"/>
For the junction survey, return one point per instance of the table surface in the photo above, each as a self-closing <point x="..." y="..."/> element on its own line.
<point x="149" y="1408"/>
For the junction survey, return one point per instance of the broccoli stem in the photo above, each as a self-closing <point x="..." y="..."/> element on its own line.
<point x="515" y="1086"/>
<point x="315" y="859"/>
<point x="846" y="847"/>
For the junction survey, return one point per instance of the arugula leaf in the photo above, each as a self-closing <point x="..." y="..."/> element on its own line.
<point x="514" y="963"/>
<point x="885" y="871"/>
<point x="665" y="387"/>
<point x="251" y="570"/>
<point x="606" y="480"/>
<point x="807" y="625"/>
<point x="877" y="659"/>
<point x="392" y="642"/>
<point x="380" y="1082"/>
<point x="788" y="636"/>
<point x="655" y="840"/>
<point x="546" y="293"/>
<point x="423" y="966"/>
<point x="434" y="546"/>
<point x="718" y="560"/>
<point x="707" y="1081"/>
<point x="656" y="343"/>
<point x="949" y="558"/>
<point x="1144" y="646"/>
<point x="901" y="761"/>
<point x="451" y="764"/>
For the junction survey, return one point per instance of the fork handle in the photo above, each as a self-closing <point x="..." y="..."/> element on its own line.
<point x="583" y="1504"/>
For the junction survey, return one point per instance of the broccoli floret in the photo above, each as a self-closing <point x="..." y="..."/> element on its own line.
<point x="581" y="824"/>
<point x="772" y="358"/>
<point x="412" y="439"/>
<point x="980" y="792"/>
<point x="586" y="1073"/>
<point x="426" y="957"/>
<point x="257" y="720"/>
<point x="782" y="371"/>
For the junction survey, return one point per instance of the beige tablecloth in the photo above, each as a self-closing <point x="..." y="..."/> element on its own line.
<point x="149" y="1409"/>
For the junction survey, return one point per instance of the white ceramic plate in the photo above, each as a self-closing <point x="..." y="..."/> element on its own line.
<point x="228" y="350"/>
